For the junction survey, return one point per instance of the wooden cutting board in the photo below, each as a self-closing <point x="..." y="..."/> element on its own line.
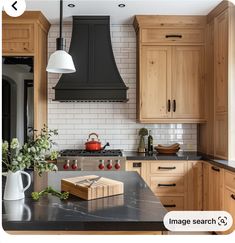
<point x="104" y="187"/>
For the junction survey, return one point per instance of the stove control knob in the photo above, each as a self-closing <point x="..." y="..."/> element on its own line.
<point x="101" y="165"/>
<point x="117" y="165"/>
<point x="75" y="165"/>
<point x="66" y="165"/>
<point x="109" y="166"/>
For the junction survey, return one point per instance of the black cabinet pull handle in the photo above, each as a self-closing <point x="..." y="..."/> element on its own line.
<point x="215" y="169"/>
<point x="233" y="196"/>
<point x="169" y="106"/>
<point x="166" y="168"/>
<point x="169" y="205"/>
<point x="136" y="165"/>
<point x="174" y="105"/>
<point x="162" y="185"/>
<point x="173" y="36"/>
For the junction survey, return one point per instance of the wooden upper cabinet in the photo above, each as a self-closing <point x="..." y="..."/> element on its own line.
<point x="155" y="82"/>
<point x="27" y="36"/>
<point x="170" y="69"/>
<point x="188" y="82"/>
<point x="18" y="38"/>
<point x="221" y="62"/>
<point x="173" y="36"/>
<point x="221" y="135"/>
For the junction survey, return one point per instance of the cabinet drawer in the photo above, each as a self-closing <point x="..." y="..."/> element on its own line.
<point x="172" y="203"/>
<point x="173" y="35"/>
<point x="165" y="167"/>
<point x="18" y="38"/>
<point x="229" y="206"/>
<point x="230" y="179"/>
<point x="173" y="184"/>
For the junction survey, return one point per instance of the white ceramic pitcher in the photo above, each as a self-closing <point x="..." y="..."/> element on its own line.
<point x="17" y="210"/>
<point x="14" y="189"/>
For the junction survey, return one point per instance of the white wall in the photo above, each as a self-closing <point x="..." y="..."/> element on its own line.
<point x="18" y="73"/>
<point x="115" y="122"/>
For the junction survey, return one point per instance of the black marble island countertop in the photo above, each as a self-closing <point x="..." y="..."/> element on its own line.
<point x="138" y="209"/>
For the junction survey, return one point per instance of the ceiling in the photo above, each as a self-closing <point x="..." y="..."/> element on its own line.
<point x="50" y="8"/>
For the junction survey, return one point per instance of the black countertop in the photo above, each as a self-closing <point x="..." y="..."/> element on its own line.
<point x="138" y="209"/>
<point x="182" y="155"/>
<point x="132" y="155"/>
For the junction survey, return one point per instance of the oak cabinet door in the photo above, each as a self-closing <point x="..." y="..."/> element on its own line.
<point x="221" y="62"/>
<point x="194" y="177"/>
<point x="221" y="135"/>
<point x="206" y="186"/>
<point x="155" y="81"/>
<point x="229" y="205"/>
<point x="188" y="82"/>
<point x="215" y="188"/>
<point x="140" y="167"/>
<point x="18" y="38"/>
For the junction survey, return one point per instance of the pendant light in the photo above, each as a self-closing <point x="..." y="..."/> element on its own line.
<point x="60" y="61"/>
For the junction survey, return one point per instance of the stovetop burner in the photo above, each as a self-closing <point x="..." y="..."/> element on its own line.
<point x="81" y="152"/>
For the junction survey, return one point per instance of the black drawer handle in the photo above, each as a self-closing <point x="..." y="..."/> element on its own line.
<point x="215" y="169"/>
<point x="169" y="106"/>
<point x="173" y="36"/>
<point x="233" y="196"/>
<point x="136" y="165"/>
<point x="166" y="168"/>
<point x="174" y="105"/>
<point x="162" y="185"/>
<point x="169" y="205"/>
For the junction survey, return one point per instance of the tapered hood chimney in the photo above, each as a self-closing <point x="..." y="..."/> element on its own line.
<point x="96" y="77"/>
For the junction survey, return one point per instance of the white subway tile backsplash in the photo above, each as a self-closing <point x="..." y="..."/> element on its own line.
<point x="114" y="122"/>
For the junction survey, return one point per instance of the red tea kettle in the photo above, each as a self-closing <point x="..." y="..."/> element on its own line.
<point x="94" y="144"/>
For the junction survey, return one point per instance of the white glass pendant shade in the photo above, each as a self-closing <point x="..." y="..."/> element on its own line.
<point x="60" y="62"/>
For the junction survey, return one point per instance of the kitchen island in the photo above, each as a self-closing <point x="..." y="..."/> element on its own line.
<point x="138" y="210"/>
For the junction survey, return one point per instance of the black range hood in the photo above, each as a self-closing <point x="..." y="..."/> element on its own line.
<point x="97" y="77"/>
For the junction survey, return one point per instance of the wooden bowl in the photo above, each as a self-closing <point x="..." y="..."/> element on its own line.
<point x="162" y="150"/>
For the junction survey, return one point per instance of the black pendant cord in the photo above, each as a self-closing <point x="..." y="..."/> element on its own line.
<point x="61" y="17"/>
<point x="60" y="40"/>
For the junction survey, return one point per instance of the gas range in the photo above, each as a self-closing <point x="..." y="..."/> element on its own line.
<point x="83" y="160"/>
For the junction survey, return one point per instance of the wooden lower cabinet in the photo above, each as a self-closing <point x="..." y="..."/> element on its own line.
<point x="205" y="183"/>
<point x="215" y="188"/>
<point x="173" y="202"/>
<point x="189" y="185"/>
<point x="167" y="184"/>
<point x="140" y="167"/>
<point x="213" y="183"/>
<point x="194" y="183"/>
<point x="229" y="196"/>
<point x="229" y="205"/>
<point x="178" y="184"/>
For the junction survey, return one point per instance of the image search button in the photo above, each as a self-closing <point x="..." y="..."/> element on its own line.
<point x="14" y="8"/>
<point x="198" y="221"/>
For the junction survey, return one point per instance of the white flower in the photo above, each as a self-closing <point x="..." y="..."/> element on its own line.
<point x="5" y="146"/>
<point x="15" y="143"/>
<point x="33" y="149"/>
<point x="14" y="162"/>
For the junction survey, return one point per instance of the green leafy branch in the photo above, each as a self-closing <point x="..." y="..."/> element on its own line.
<point x="33" y="154"/>
<point x="49" y="190"/>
